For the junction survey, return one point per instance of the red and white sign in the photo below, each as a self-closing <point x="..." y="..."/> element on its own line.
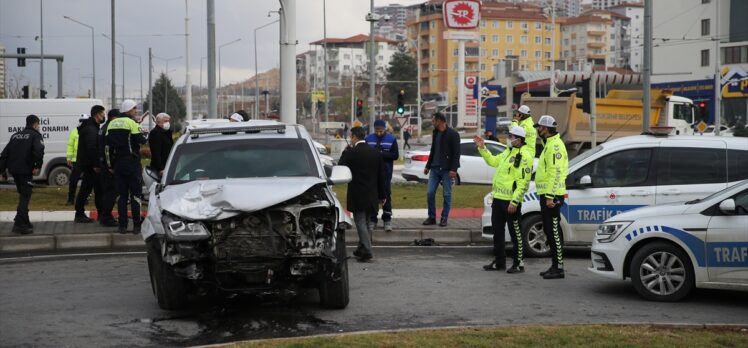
<point x="461" y="14"/>
<point x="470" y="81"/>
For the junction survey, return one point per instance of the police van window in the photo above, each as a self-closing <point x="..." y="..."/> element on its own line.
<point x="737" y="165"/>
<point x="691" y="166"/>
<point x="621" y="169"/>
<point x="683" y="112"/>
<point x="468" y="149"/>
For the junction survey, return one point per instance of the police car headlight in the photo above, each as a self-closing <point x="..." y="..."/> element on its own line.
<point x="180" y="230"/>
<point x="608" y="232"/>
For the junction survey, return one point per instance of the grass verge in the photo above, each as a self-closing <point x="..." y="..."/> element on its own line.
<point x="529" y="336"/>
<point x="404" y="196"/>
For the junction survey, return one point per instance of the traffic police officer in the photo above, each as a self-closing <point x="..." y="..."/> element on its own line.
<point x="71" y="154"/>
<point x="522" y="118"/>
<point x="23" y="157"/>
<point x="510" y="182"/>
<point x="386" y="144"/>
<point x="123" y="139"/>
<point x="550" y="180"/>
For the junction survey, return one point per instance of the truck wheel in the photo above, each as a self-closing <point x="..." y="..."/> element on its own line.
<point x="334" y="293"/>
<point x="533" y="237"/>
<point x="59" y="176"/>
<point x="662" y="272"/>
<point x="170" y="290"/>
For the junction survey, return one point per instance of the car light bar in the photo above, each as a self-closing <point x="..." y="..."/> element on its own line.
<point x="195" y="132"/>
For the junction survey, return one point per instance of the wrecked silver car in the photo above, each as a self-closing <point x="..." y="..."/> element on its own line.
<point x="246" y="208"/>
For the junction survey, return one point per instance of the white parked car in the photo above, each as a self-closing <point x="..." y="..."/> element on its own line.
<point x="246" y="207"/>
<point x="628" y="173"/>
<point x="670" y="249"/>
<point x="473" y="169"/>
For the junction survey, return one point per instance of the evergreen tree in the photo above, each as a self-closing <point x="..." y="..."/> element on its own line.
<point x="175" y="108"/>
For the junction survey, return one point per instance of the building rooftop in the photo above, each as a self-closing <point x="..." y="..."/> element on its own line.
<point x="360" y="38"/>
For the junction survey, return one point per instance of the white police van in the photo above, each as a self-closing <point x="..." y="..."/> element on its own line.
<point x="670" y="249"/>
<point x="628" y="173"/>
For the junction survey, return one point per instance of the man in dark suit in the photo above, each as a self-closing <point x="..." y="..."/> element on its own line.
<point x="366" y="190"/>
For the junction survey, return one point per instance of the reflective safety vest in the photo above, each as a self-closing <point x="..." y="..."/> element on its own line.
<point x="531" y="134"/>
<point x="72" y="150"/>
<point x="513" y="173"/>
<point x="553" y="167"/>
<point x="123" y="139"/>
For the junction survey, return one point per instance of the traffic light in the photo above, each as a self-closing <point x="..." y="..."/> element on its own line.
<point x="42" y="94"/>
<point x="583" y="91"/>
<point x="21" y="61"/>
<point x="401" y="102"/>
<point x="25" y="90"/>
<point x="359" y="107"/>
<point x="703" y="111"/>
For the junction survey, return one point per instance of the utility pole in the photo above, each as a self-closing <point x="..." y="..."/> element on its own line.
<point x="150" y="87"/>
<point x="324" y="50"/>
<point x="41" y="41"/>
<point x="552" y="92"/>
<point x="593" y="108"/>
<point x="288" y="63"/>
<point x="461" y="80"/>
<point x="114" y="59"/>
<point x="212" y="111"/>
<point x="93" y="53"/>
<point x="418" y="71"/>
<point x="372" y="65"/>
<point x="717" y="73"/>
<point x="188" y="81"/>
<point x="647" y="71"/>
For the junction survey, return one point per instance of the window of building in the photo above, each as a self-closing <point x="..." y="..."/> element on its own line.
<point x="509" y="24"/>
<point x="706" y="1"/>
<point x="523" y="53"/>
<point x="483" y="38"/>
<point x="509" y="52"/>
<point x="537" y="54"/>
<point x="433" y="24"/>
<point x="566" y="53"/>
<point x="432" y="81"/>
<point x="495" y="38"/>
<point x="482" y="23"/>
<point x="538" y="25"/>
<point x="705" y="27"/>
<point x="537" y="40"/>
<point x="704" y="57"/>
<point x="433" y="66"/>
<point x="495" y="24"/>
<point x="346" y="56"/>
<point x="537" y="66"/>
<point x="509" y="39"/>
<point x="734" y="55"/>
<point x="433" y="52"/>
<point x="495" y="52"/>
<point x="547" y="55"/>
<point x="432" y="39"/>
<point x="547" y="41"/>
<point x="346" y="67"/>
<point x="482" y="67"/>
<point x="358" y="57"/>
<point x="523" y="67"/>
<point x="523" y="39"/>
<point x="455" y="52"/>
<point x="523" y="24"/>
<point x="566" y="41"/>
<point x="547" y="68"/>
<point x="548" y="27"/>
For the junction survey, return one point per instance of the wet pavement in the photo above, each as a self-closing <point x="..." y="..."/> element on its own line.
<point x="106" y="301"/>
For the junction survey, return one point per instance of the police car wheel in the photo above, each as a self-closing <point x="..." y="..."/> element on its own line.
<point x="170" y="291"/>
<point x="661" y="271"/>
<point x="533" y="237"/>
<point x="59" y="176"/>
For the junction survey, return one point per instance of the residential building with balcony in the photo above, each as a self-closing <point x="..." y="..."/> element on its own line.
<point x="630" y="40"/>
<point x="589" y="39"/>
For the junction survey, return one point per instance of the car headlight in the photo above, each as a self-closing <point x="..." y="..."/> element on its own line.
<point x="609" y="231"/>
<point x="180" y="230"/>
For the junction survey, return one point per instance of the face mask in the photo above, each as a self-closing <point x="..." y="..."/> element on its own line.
<point x="166" y="126"/>
<point x="509" y="143"/>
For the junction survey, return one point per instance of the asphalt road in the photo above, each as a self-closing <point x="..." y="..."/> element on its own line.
<point x="107" y="301"/>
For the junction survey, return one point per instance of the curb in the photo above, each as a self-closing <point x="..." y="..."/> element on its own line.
<point x="116" y="241"/>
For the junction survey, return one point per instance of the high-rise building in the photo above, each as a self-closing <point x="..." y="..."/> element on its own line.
<point x="606" y="4"/>
<point x="564" y="8"/>
<point x="630" y="38"/>
<point x="394" y="28"/>
<point x="516" y="32"/>
<point x="684" y="60"/>
<point x="590" y="38"/>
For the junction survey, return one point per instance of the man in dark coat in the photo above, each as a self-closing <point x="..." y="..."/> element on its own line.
<point x="23" y="157"/>
<point x="441" y="167"/>
<point x="88" y="161"/>
<point x="106" y="177"/>
<point x="366" y="190"/>
<point x="160" y="142"/>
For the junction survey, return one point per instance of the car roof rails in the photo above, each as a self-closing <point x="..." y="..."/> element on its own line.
<point x="196" y="132"/>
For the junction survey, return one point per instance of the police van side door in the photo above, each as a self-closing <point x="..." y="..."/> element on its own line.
<point x="688" y="170"/>
<point x="727" y="242"/>
<point x="621" y="181"/>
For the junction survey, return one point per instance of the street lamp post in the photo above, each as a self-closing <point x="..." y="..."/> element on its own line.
<point x="219" y="69"/>
<point x="93" y="54"/>
<point x="140" y="61"/>
<point x="123" y="64"/>
<point x="257" y="83"/>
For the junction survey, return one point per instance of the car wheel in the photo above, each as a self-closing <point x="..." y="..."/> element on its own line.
<point x="334" y="291"/>
<point x="662" y="272"/>
<point x="59" y="176"/>
<point x="535" y="241"/>
<point x="170" y="290"/>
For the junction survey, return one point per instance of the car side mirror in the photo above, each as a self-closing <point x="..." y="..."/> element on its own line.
<point x="727" y="206"/>
<point x="340" y="175"/>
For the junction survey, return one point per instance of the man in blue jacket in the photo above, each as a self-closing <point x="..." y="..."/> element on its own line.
<point x="386" y="144"/>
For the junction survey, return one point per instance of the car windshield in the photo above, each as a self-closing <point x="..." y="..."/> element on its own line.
<point x="257" y="158"/>
<point x="581" y="157"/>
<point x="739" y="186"/>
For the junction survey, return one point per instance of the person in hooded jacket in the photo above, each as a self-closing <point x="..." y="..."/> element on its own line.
<point x="89" y="164"/>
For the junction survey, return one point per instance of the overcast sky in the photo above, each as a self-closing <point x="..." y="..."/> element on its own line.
<point x="160" y="24"/>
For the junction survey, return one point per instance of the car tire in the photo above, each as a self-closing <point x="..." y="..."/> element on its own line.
<point x="170" y="290"/>
<point x="669" y="284"/>
<point x="535" y="243"/>
<point x="334" y="293"/>
<point x="59" y="176"/>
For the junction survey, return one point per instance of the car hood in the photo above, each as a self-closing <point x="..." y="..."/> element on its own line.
<point x="221" y="199"/>
<point x="650" y="211"/>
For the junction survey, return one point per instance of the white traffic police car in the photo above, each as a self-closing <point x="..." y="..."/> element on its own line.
<point x="668" y="250"/>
